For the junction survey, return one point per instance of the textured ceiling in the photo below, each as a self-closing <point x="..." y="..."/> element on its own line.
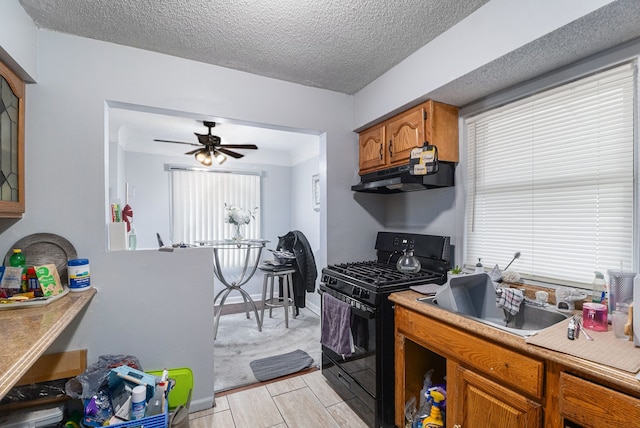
<point x="340" y="45"/>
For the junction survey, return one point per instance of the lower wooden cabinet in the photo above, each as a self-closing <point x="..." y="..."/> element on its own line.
<point x="493" y="385"/>
<point x="487" y="385"/>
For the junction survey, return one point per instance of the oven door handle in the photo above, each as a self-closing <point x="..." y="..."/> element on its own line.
<point x="368" y="315"/>
<point x="362" y="314"/>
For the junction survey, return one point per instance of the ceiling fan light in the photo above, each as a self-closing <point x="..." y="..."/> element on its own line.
<point x="204" y="157"/>
<point x="201" y="155"/>
<point x="220" y="158"/>
<point x="207" y="161"/>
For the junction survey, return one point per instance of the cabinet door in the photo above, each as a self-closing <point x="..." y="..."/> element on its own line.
<point x="404" y="134"/>
<point x="474" y="401"/>
<point x="372" y="149"/>
<point x="11" y="144"/>
<point x="589" y="404"/>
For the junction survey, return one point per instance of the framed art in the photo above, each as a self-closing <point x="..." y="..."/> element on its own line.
<point x="315" y="191"/>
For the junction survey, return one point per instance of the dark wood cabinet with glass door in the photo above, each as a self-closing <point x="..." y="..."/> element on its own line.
<point x="12" y="93"/>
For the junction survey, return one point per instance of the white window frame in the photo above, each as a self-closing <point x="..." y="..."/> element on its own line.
<point x="504" y="255"/>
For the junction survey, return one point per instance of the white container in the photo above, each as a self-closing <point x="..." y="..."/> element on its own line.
<point x="79" y="274"/>
<point x="138" y="402"/>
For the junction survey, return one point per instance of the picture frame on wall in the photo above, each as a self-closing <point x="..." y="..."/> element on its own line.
<point x="315" y="191"/>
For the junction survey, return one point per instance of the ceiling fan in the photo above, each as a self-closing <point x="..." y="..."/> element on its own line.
<point x="211" y="147"/>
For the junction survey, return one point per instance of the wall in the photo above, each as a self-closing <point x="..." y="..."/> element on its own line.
<point x="304" y="218"/>
<point x="165" y="296"/>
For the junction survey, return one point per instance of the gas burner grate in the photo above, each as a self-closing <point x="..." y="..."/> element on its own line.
<point x="381" y="274"/>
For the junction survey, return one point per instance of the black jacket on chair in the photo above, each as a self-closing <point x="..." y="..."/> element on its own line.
<point x="304" y="279"/>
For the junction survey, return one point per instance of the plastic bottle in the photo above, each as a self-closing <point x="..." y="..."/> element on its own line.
<point x="479" y="268"/>
<point x="599" y="285"/>
<point x="17" y="259"/>
<point x="138" y="402"/>
<point x="155" y="404"/>
<point x="435" y="419"/>
<point x="425" y="387"/>
<point x="133" y="240"/>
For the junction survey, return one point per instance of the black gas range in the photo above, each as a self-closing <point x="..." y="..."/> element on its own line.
<point x="365" y="379"/>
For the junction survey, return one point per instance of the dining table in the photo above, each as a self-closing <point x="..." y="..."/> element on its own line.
<point x="249" y="252"/>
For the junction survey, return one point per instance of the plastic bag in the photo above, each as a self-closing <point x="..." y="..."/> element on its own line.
<point x="87" y="384"/>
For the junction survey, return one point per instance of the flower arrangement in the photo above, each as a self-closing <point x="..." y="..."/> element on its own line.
<point x="238" y="217"/>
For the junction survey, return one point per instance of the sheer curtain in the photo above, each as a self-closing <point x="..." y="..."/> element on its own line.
<point x="552" y="176"/>
<point x="198" y="201"/>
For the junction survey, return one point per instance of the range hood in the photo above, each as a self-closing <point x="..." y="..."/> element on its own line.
<point x="398" y="179"/>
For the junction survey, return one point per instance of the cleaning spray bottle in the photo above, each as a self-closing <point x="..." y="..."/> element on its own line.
<point x="424" y="409"/>
<point x="599" y="294"/>
<point x="437" y="397"/>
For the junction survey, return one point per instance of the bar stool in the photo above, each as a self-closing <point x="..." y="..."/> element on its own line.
<point x="286" y="300"/>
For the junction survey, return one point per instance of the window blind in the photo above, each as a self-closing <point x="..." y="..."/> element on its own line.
<point x="198" y="201"/>
<point x="552" y="176"/>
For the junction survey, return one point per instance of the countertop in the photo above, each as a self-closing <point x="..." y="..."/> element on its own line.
<point x="612" y="377"/>
<point x="27" y="333"/>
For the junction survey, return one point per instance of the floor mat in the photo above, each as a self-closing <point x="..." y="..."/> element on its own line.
<point x="280" y="365"/>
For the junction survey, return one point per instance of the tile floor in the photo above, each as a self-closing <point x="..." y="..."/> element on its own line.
<point x="304" y="401"/>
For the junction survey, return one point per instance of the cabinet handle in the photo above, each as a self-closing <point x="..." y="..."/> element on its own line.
<point x="381" y="152"/>
<point x="391" y="148"/>
<point x="457" y="426"/>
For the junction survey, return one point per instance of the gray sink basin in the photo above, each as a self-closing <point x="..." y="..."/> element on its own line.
<point x="528" y="321"/>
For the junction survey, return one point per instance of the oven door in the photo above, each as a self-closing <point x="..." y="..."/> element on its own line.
<point x="361" y="365"/>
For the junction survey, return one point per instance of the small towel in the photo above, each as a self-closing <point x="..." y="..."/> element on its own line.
<point x="509" y="299"/>
<point x="336" y="326"/>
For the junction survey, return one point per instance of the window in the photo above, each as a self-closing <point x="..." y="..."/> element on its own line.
<point x="552" y="176"/>
<point x="198" y="201"/>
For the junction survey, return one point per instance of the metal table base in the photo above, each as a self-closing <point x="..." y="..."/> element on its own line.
<point x="253" y="251"/>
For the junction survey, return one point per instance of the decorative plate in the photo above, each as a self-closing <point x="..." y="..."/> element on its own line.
<point x="45" y="248"/>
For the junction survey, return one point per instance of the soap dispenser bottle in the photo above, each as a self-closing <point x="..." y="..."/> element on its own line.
<point x="479" y="268"/>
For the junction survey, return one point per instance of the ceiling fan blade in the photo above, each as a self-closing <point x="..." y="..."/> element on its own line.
<point x="208" y="138"/>
<point x="176" y="142"/>
<point x="229" y="152"/>
<point x="240" y="146"/>
<point x="193" y="152"/>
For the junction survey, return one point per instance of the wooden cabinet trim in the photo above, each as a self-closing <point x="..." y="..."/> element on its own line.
<point x="10" y="209"/>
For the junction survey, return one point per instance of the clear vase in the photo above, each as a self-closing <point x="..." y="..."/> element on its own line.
<point x="237" y="233"/>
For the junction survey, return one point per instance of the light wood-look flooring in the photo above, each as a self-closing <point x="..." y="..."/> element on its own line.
<point x="305" y="401"/>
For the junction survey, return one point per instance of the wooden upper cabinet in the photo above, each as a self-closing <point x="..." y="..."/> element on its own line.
<point x="430" y="122"/>
<point x="372" y="148"/>
<point x="405" y="134"/>
<point x="12" y="92"/>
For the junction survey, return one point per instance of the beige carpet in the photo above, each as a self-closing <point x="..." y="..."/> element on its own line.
<point x="239" y="342"/>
